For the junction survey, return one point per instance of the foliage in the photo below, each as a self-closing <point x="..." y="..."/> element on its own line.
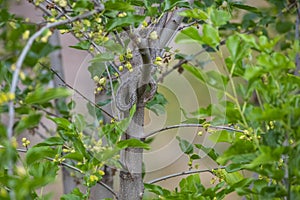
<point x="257" y="85"/>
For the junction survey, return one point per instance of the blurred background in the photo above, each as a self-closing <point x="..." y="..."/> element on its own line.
<point x="182" y="91"/>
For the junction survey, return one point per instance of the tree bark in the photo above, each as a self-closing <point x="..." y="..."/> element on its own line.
<point x="131" y="182"/>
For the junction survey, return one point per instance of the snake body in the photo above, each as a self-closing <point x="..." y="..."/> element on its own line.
<point x="126" y="95"/>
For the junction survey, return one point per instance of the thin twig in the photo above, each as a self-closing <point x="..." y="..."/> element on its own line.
<point x="184" y="173"/>
<point x="22" y="58"/>
<point x="179" y="64"/>
<point x="86" y="37"/>
<point x="44" y="110"/>
<point x="192" y="125"/>
<point x="78" y="92"/>
<point x="75" y="169"/>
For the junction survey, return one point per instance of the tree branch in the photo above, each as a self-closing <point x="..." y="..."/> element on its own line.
<point x="22" y="58"/>
<point x="78" y="92"/>
<point x="192" y="125"/>
<point x="183" y="173"/>
<point x="75" y="169"/>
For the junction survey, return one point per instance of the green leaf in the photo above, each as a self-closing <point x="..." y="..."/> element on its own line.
<point x="74" y="156"/>
<point x="102" y="57"/>
<point x="232" y="178"/>
<point x="82" y="45"/>
<point x="36" y="154"/>
<point x="40" y="95"/>
<point x="219" y="17"/>
<point x="267" y="155"/>
<point x="191" y="184"/>
<point x="124" y="21"/>
<point x="113" y="46"/>
<point x="246" y="7"/>
<point x="133" y="143"/>
<point x="74" y="195"/>
<point x="28" y="121"/>
<point x="156" y="189"/>
<point x="79" y="122"/>
<point x="157" y="104"/>
<point x="52" y="141"/>
<point x="118" y="5"/>
<point x="62" y="123"/>
<point x="43" y="172"/>
<point x="235" y="48"/>
<point x="169" y="4"/>
<point x="188" y="35"/>
<point x="195" y="13"/>
<point x="82" y="5"/>
<point x="96" y="68"/>
<point x="185" y="146"/>
<point x="209" y="151"/>
<point x="210" y="36"/>
<point x="284" y="26"/>
<point x="234" y="167"/>
<point x="221" y="136"/>
<point x="211" y="78"/>
<point x="240" y="151"/>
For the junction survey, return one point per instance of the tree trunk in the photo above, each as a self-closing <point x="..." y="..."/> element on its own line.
<point x="131" y="182"/>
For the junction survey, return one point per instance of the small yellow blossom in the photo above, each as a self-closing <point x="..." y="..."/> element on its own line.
<point x="122" y="14"/>
<point x="93" y="178"/>
<point x="96" y="78"/>
<point x="153" y="35"/>
<point x="101" y="173"/>
<point x="102" y="81"/>
<point x="22" y="76"/>
<point x="63" y="3"/>
<point x="25" y="35"/>
<point x="13" y="67"/>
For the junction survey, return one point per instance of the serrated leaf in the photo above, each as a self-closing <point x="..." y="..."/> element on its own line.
<point x="40" y="95"/>
<point x="133" y="143"/>
<point x="219" y="17"/>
